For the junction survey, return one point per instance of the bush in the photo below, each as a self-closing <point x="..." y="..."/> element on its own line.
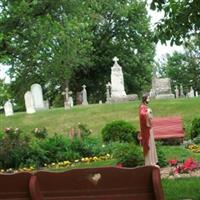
<point x="128" y="154"/>
<point x="13" y="148"/>
<point x="195" y="129"/>
<point x="119" y="131"/>
<point x="56" y="148"/>
<point x="162" y="161"/>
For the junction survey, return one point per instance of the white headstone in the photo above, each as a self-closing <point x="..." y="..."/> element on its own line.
<point x="191" y="93"/>
<point x="36" y="91"/>
<point x="8" y="108"/>
<point x="176" y="91"/>
<point x="29" y="104"/>
<point x="117" y="80"/>
<point x="84" y="92"/>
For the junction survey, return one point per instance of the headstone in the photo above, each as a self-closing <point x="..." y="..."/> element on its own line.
<point x="117" y="80"/>
<point x="108" y="95"/>
<point x="181" y="91"/>
<point x="196" y="94"/>
<point x="161" y="87"/>
<point x="8" y="108"/>
<point x="46" y="104"/>
<point x="100" y="101"/>
<point x="68" y="103"/>
<point x="66" y="94"/>
<point x="70" y="99"/>
<point x="176" y="92"/>
<point x="191" y="93"/>
<point x="84" y="92"/>
<point x="79" y="98"/>
<point x="29" y="104"/>
<point x="36" y="91"/>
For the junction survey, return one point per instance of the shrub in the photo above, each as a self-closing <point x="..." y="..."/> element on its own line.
<point x="195" y="129"/>
<point x="86" y="147"/>
<point x="128" y="154"/>
<point x="119" y="131"/>
<point x="56" y="148"/>
<point x="13" y="148"/>
<point x="162" y="161"/>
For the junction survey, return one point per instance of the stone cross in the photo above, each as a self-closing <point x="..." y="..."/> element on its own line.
<point x="115" y="59"/>
<point x="66" y="93"/>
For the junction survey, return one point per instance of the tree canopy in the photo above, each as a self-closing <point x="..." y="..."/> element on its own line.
<point x="61" y="43"/>
<point x="181" y="20"/>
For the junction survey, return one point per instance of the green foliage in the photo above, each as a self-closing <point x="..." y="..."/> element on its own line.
<point x="85" y="131"/>
<point x="13" y="148"/>
<point x="4" y="92"/>
<point x="119" y="131"/>
<point x="128" y="154"/>
<point x="72" y="43"/>
<point x="40" y="133"/>
<point x="195" y="128"/>
<point x="183" y="68"/>
<point x="57" y="148"/>
<point x="87" y="147"/>
<point x="162" y="161"/>
<point x="181" y="20"/>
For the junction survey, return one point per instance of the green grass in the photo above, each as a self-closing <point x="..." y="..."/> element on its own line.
<point x="181" y="188"/>
<point x="58" y="120"/>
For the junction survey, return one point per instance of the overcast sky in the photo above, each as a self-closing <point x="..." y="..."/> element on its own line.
<point x="161" y="50"/>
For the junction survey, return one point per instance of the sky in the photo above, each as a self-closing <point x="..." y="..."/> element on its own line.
<point x="161" y="50"/>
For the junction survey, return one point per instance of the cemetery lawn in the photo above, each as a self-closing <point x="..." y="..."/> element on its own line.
<point x="95" y="116"/>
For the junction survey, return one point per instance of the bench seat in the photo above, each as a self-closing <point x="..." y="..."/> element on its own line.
<point x="168" y="128"/>
<point x="107" y="183"/>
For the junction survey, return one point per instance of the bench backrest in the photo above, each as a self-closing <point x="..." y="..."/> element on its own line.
<point x="168" y="127"/>
<point x="108" y="183"/>
<point x="15" y="186"/>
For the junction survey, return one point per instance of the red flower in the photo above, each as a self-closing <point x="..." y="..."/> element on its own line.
<point x="119" y="165"/>
<point x="173" y="162"/>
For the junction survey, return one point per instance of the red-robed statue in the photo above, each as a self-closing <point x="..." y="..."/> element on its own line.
<point x="147" y="137"/>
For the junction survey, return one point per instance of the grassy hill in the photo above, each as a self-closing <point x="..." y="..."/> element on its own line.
<point x="58" y="120"/>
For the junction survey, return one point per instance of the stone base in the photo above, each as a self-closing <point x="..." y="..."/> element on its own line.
<point x="130" y="97"/>
<point x="165" y="96"/>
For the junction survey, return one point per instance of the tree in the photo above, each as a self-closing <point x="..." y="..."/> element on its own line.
<point x="42" y="41"/>
<point x="4" y="92"/>
<point x="56" y="43"/>
<point x="122" y="29"/>
<point x="181" y="20"/>
<point x="184" y="68"/>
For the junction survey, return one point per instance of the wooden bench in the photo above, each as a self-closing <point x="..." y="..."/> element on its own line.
<point x="15" y="186"/>
<point x="168" y="128"/>
<point x="108" y="183"/>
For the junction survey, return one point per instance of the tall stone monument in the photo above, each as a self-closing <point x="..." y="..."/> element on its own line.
<point x="117" y="80"/>
<point x="36" y="91"/>
<point x="84" y="92"/>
